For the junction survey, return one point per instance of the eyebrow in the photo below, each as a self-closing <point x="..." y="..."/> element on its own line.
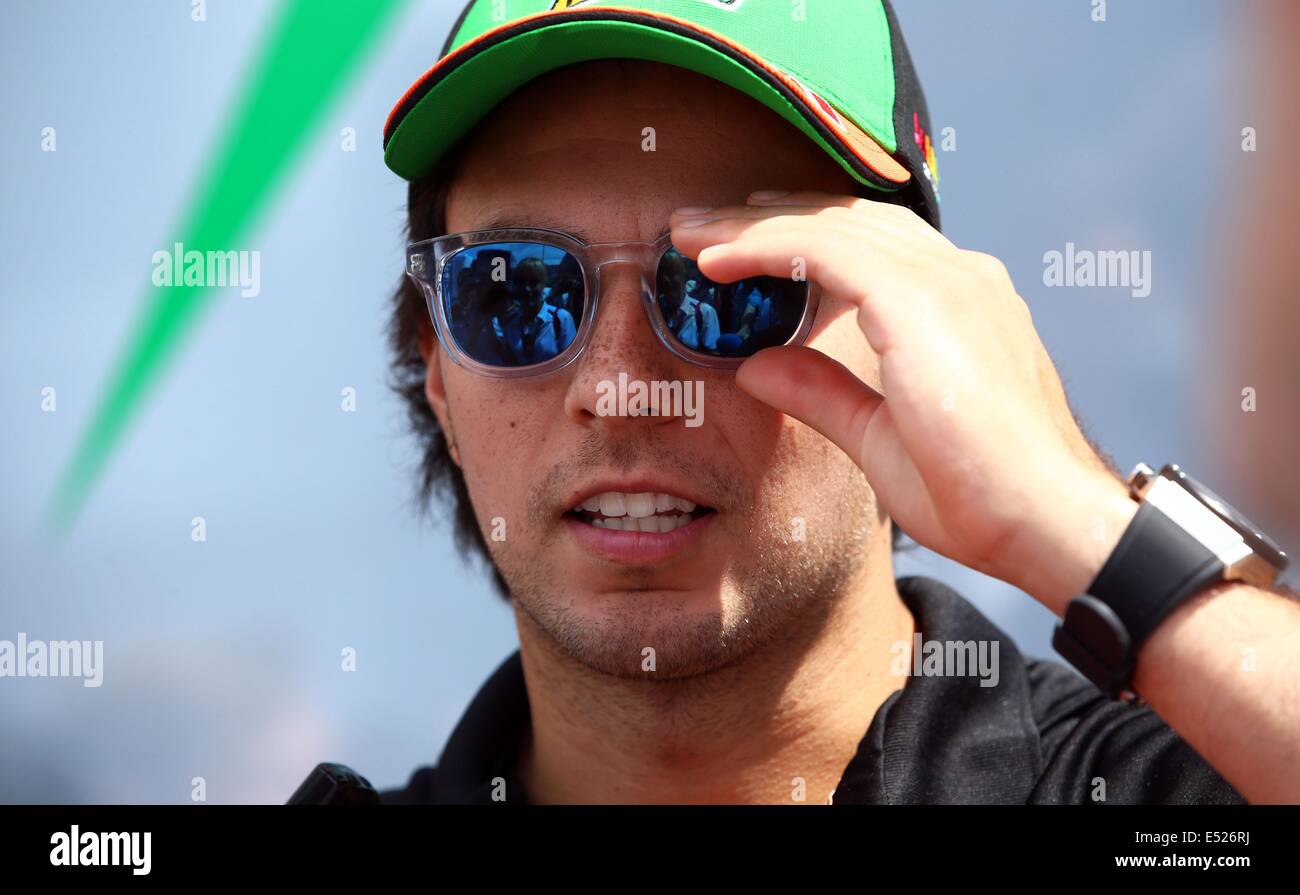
<point x="512" y="222"/>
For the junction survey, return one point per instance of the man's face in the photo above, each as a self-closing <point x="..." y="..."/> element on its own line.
<point x="671" y="291"/>
<point x="783" y="516"/>
<point x="530" y="285"/>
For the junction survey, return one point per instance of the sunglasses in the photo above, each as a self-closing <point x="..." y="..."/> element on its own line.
<point x="522" y="302"/>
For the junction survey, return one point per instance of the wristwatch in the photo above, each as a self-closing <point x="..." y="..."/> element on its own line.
<point x="1183" y="538"/>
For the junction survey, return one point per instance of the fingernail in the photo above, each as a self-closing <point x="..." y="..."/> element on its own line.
<point x="765" y="195"/>
<point x="692" y="209"/>
<point x="698" y="222"/>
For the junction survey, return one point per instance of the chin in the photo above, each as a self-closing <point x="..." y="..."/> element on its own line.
<point x="641" y="632"/>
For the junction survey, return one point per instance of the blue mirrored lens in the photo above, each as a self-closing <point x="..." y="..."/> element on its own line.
<point x="727" y="319"/>
<point x="513" y="304"/>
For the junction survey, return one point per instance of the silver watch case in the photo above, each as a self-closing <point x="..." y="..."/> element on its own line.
<point x="1247" y="554"/>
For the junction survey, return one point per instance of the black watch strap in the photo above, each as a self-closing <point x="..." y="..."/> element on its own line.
<point x="1155" y="567"/>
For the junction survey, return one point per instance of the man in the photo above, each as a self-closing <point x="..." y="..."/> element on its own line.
<point x="476" y="321"/>
<point x="710" y="614"/>
<point x="693" y="322"/>
<point x="531" y="327"/>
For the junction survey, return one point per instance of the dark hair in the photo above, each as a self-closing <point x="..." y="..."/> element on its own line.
<point x="409" y="325"/>
<point x="439" y="475"/>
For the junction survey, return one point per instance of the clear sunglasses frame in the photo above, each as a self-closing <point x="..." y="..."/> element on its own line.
<point x="426" y="261"/>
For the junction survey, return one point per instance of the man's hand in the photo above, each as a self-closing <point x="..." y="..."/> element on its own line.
<point x="974" y="451"/>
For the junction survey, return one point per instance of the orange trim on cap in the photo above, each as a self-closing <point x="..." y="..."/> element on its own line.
<point x="871" y="153"/>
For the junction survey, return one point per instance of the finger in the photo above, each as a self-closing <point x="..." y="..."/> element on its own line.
<point x="773" y="199"/>
<point x="885" y="289"/>
<point x="691" y="235"/>
<point x="820" y="203"/>
<point x="695" y="218"/>
<point x="766" y="204"/>
<point x="734" y="250"/>
<point x="877" y="206"/>
<point x="805" y="197"/>
<point x="845" y="210"/>
<point x="691" y="238"/>
<point x="814" y="389"/>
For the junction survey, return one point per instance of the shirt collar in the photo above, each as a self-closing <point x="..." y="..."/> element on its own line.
<point x="948" y="739"/>
<point x="485" y="744"/>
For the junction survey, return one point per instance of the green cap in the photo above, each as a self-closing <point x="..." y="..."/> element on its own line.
<point x="836" y="69"/>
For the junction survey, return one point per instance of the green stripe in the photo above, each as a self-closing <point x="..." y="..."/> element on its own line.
<point x="308" y="57"/>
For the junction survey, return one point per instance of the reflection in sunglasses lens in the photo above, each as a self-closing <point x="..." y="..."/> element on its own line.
<point x="727" y="319"/>
<point x="513" y="304"/>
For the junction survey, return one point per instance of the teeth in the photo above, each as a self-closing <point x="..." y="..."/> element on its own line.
<point x="613" y="504"/>
<point x="652" y="524"/>
<point x="641" y="506"/>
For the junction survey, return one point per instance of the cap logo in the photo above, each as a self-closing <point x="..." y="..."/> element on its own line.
<point x="923" y="143"/>
<point x="720" y="4"/>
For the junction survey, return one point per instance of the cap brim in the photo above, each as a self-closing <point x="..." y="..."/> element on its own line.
<point x="454" y="95"/>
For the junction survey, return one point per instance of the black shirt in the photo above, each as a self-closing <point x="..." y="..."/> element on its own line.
<point x="1042" y="735"/>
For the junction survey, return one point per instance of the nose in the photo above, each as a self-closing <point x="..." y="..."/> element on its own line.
<point x="623" y="343"/>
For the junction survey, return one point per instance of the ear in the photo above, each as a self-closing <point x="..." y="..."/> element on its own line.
<point x="435" y="389"/>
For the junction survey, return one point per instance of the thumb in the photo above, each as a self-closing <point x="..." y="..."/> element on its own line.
<point x="814" y="389"/>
